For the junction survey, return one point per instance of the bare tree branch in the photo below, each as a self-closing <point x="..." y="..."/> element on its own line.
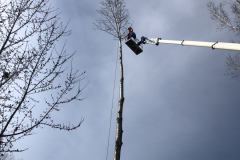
<point x="31" y="68"/>
<point x="114" y="18"/>
<point x="233" y="64"/>
<point x="233" y="24"/>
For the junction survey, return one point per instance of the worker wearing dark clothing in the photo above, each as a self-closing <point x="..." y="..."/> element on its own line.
<point x="131" y="33"/>
<point x="142" y="41"/>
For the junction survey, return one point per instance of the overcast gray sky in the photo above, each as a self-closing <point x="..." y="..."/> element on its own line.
<point x="178" y="104"/>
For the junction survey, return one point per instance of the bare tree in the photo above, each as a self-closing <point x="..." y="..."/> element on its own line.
<point x="114" y="20"/>
<point x="219" y="14"/>
<point x="7" y="155"/>
<point x="30" y="63"/>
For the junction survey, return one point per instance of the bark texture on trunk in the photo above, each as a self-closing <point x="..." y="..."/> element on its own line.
<point x="118" y="143"/>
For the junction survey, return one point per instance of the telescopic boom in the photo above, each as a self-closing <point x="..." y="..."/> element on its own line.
<point x="213" y="45"/>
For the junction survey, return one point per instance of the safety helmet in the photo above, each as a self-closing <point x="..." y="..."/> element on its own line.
<point x="129" y="28"/>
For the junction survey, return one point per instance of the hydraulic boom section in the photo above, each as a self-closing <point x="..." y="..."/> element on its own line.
<point x="136" y="45"/>
<point x="213" y="45"/>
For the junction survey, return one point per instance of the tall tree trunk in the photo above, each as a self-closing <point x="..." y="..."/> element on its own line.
<point x="118" y="143"/>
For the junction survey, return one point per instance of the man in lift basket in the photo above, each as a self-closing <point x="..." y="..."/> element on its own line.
<point x="131" y="33"/>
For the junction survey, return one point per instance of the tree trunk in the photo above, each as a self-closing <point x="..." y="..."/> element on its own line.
<point x="118" y="143"/>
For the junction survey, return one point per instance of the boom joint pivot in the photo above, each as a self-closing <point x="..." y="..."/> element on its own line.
<point x="182" y="42"/>
<point x="213" y="45"/>
<point x="157" y="42"/>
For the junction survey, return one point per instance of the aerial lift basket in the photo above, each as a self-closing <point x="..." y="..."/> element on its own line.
<point x="132" y="44"/>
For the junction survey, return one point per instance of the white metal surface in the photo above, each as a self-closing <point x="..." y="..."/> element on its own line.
<point x="213" y="45"/>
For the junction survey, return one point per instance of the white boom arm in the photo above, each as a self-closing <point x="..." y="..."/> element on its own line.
<point x="213" y="45"/>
